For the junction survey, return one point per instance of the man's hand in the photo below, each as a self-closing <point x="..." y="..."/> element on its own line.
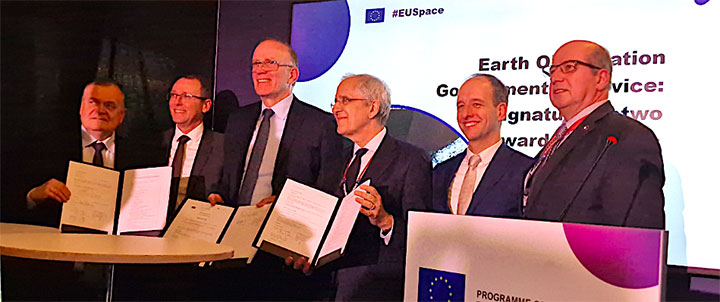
<point x="301" y="263"/>
<point x="51" y="189"/>
<point x="372" y="207"/>
<point x="215" y="198"/>
<point x="267" y="200"/>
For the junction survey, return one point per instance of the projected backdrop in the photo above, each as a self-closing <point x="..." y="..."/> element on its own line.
<point x="664" y="67"/>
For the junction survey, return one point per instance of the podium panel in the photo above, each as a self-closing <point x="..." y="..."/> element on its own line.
<point x="471" y="258"/>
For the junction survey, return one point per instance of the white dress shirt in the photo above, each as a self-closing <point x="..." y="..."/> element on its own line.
<point x="485" y="158"/>
<point x="191" y="149"/>
<point x="263" y="187"/>
<point x="108" y="154"/>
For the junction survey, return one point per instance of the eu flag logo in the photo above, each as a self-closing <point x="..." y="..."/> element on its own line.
<point x="435" y="285"/>
<point x="375" y="15"/>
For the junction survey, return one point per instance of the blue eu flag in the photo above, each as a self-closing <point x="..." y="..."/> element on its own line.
<point x="374" y="15"/>
<point x="435" y="285"/>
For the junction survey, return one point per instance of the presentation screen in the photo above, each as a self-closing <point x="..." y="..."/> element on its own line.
<point x="665" y="72"/>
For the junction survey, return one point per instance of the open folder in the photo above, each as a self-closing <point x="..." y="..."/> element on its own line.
<point x="107" y="201"/>
<point x="234" y="227"/>
<point x="307" y="222"/>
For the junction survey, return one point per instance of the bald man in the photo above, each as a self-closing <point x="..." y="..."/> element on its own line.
<point x="600" y="167"/>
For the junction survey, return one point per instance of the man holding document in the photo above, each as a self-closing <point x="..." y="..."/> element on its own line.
<point x="372" y="267"/>
<point x="102" y="110"/>
<point x="267" y="142"/>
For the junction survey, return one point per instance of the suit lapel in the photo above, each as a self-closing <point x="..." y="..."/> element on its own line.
<point x="203" y="152"/>
<point x="449" y="175"/>
<point x="494" y="172"/>
<point x="568" y="145"/>
<point x="245" y="129"/>
<point x="384" y="156"/>
<point x="167" y="143"/>
<point x="293" y="125"/>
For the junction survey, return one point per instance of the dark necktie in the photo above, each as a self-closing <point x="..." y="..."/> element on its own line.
<point x="253" y="165"/>
<point x="354" y="170"/>
<point x="177" y="165"/>
<point x="98" y="158"/>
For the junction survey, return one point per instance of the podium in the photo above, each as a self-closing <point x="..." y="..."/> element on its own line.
<point x="471" y="258"/>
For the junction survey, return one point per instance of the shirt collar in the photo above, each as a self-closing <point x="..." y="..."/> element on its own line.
<point x="374" y="143"/>
<point x="585" y="112"/>
<point x="194" y="134"/>
<point x="485" y="155"/>
<point x="87" y="139"/>
<point x="281" y="108"/>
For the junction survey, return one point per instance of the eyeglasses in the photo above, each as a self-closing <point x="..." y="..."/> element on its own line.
<point x="344" y="101"/>
<point x="268" y="65"/>
<point x="568" y="67"/>
<point x="184" y="96"/>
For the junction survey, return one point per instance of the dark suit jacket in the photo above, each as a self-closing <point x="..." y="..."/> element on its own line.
<point x="402" y="175"/>
<point x="207" y="168"/>
<point x="309" y="143"/>
<point x="624" y="189"/>
<point x="499" y="193"/>
<point x="52" y="162"/>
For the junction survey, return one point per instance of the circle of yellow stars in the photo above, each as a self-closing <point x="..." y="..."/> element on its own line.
<point x="440" y="281"/>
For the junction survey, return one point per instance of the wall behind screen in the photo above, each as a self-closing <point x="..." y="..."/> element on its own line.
<point x="50" y="50"/>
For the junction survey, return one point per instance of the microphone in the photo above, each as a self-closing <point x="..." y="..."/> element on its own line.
<point x="609" y="141"/>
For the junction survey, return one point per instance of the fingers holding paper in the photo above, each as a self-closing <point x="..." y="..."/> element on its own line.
<point x="52" y="189"/>
<point x="215" y="198"/>
<point x="266" y="200"/>
<point x="301" y="263"/>
<point x="372" y="207"/>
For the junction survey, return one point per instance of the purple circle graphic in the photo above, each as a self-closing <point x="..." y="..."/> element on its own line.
<point x="320" y="32"/>
<point x="701" y="2"/>
<point x="624" y="257"/>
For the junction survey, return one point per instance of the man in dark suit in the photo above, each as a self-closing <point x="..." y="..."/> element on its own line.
<point x="600" y="167"/>
<point x="197" y="165"/>
<point x="266" y="142"/>
<point x="372" y="267"/>
<point x="102" y="110"/>
<point x="296" y="140"/>
<point x="487" y="179"/>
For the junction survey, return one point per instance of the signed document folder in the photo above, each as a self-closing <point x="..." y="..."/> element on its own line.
<point x="307" y="222"/>
<point x="235" y="227"/>
<point x="114" y="202"/>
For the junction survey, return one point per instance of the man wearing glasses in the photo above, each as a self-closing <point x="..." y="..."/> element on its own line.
<point x="600" y="167"/>
<point x="278" y="137"/>
<point x="266" y="142"/>
<point x="194" y="152"/>
<point x="372" y="267"/>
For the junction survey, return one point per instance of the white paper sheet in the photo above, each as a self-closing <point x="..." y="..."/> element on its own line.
<point x="243" y="229"/>
<point x="299" y="219"/>
<point x="144" y="199"/>
<point x="93" y="195"/>
<point x="198" y="220"/>
<point x="343" y="224"/>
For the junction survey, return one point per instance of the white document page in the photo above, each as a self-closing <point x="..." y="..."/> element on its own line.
<point x="199" y="220"/>
<point x="243" y="229"/>
<point x="93" y="197"/>
<point x="299" y="219"/>
<point x="144" y="199"/>
<point x="343" y="224"/>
